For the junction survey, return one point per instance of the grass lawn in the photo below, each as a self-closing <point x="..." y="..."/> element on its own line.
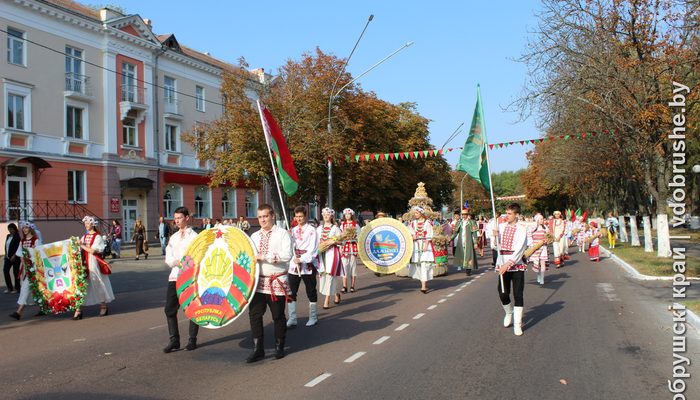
<point x="693" y="306"/>
<point x="693" y="233"/>
<point x="648" y="263"/>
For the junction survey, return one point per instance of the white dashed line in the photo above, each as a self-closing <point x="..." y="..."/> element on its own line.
<point x="442" y="300"/>
<point x="450" y="295"/>
<point x="317" y="380"/>
<point x="458" y="290"/>
<point x="381" y="340"/>
<point x="356" y="355"/>
<point x="402" y="327"/>
<point x="419" y="315"/>
<point x="432" y="307"/>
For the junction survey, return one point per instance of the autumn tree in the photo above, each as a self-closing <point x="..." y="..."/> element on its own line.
<point x="299" y="100"/>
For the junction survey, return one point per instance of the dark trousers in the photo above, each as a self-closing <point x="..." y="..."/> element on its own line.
<point x="454" y="250"/>
<point x="309" y="283"/>
<point x="172" y="304"/>
<point x="14" y="266"/>
<point x="518" y="280"/>
<point x="257" y="309"/>
<point x="494" y="255"/>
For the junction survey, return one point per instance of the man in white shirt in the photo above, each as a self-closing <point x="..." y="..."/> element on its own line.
<point x="303" y="266"/>
<point x="274" y="246"/>
<point x="512" y="239"/>
<point x="177" y="246"/>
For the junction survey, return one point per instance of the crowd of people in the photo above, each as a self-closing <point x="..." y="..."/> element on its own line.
<point x="324" y="258"/>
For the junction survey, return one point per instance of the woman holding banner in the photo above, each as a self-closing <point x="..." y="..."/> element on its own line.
<point x="329" y="264"/>
<point x="30" y="240"/>
<point x="99" y="288"/>
<point x="423" y="259"/>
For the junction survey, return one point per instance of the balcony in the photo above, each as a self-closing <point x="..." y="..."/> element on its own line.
<point x="78" y="87"/>
<point x="172" y="108"/>
<point x="133" y="98"/>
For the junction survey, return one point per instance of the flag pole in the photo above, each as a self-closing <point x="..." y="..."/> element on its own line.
<point x="266" y="132"/>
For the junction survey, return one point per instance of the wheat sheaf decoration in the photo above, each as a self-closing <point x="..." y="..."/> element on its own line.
<point x="217" y="276"/>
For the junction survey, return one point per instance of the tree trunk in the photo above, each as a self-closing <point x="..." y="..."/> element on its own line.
<point x="634" y="233"/>
<point x="663" y="241"/>
<point x="623" y="229"/>
<point x="648" y="240"/>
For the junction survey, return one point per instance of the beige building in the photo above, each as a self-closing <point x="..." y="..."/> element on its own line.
<point x="93" y="105"/>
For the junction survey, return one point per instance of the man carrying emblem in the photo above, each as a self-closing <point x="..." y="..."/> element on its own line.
<point x="274" y="246"/>
<point x="175" y="250"/>
<point x="303" y="266"/>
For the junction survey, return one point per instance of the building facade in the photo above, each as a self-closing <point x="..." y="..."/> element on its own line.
<point x="93" y="107"/>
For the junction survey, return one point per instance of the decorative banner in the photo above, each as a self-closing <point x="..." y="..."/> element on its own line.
<point x="56" y="275"/>
<point x="434" y="153"/>
<point x="218" y="276"/>
<point x="385" y="245"/>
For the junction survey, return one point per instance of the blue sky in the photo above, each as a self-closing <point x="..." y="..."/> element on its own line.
<point x="458" y="44"/>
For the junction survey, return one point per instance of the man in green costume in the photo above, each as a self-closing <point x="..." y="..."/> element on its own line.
<point x="465" y="232"/>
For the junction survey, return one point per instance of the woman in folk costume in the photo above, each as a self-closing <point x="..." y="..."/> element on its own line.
<point x="593" y="235"/>
<point x="558" y="229"/>
<point x="30" y="240"/>
<point x="348" y="253"/>
<point x="464" y="236"/>
<point x="99" y="288"/>
<point x="540" y="257"/>
<point x="329" y="264"/>
<point x="481" y="235"/>
<point x="612" y="225"/>
<point x="580" y="233"/>
<point x="423" y="259"/>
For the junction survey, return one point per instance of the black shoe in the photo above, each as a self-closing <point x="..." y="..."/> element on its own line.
<point x="78" y="315"/>
<point x="173" y="345"/>
<point x="258" y="351"/>
<point x="337" y="298"/>
<point x="345" y="289"/>
<point x="279" y="349"/>
<point x="106" y="312"/>
<point x="15" y="316"/>
<point x="39" y="314"/>
<point x="146" y="256"/>
<point x="469" y="272"/>
<point x="424" y="291"/>
<point x="191" y="344"/>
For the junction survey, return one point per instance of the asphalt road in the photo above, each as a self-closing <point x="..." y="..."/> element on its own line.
<point x="590" y="333"/>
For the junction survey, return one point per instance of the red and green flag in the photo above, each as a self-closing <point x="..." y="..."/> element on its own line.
<point x="280" y="151"/>
<point x="473" y="157"/>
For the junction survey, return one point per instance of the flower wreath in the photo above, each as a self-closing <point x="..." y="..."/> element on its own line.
<point x="55" y="302"/>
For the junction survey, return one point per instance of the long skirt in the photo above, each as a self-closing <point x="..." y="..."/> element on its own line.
<point x="559" y="250"/>
<point x="327" y="285"/>
<point x="350" y="265"/>
<point x="423" y="271"/>
<point x="25" y="293"/>
<point x="594" y="253"/>
<point x="99" y="287"/>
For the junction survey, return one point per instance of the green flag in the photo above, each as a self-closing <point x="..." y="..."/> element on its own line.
<point x="473" y="157"/>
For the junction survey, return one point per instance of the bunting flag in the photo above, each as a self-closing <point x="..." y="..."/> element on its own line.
<point x="439" y="152"/>
<point x="280" y="151"/>
<point x="473" y="157"/>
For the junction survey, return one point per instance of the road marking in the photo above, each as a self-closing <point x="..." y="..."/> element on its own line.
<point x="357" y="355"/>
<point x="458" y="290"/>
<point x="606" y="292"/>
<point x="317" y="380"/>
<point x="432" y="307"/>
<point x="450" y="295"/>
<point x="442" y="300"/>
<point x="419" y="315"/>
<point x="402" y="327"/>
<point x="160" y="326"/>
<point x="381" y="340"/>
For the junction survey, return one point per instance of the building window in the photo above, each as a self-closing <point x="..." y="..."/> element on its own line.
<point x="15" y="47"/>
<point x="199" y="98"/>
<point x="129" y="131"/>
<point x="129" y="82"/>
<point x="202" y="202"/>
<point x="76" y="186"/>
<point x="228" y="202"/>
<point x="15" y="111"/>
<point x="251" y="204"/>
<point x="75" y="81"/>
<point x="313" y="214"/>
<point x="168" y="89"/>
<point x="172" y="199"/>
<point x="171" y="138"/>
<point x="74" y="122"/>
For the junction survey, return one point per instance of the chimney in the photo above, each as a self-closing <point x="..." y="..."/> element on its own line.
<point x="148" y="22"/>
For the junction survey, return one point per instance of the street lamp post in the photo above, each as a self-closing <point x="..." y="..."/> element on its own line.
<point x="330" y="103"/>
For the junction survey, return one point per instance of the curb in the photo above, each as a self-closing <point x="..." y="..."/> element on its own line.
<point x="690" y="317"/>
<point x="636" y="275"/>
